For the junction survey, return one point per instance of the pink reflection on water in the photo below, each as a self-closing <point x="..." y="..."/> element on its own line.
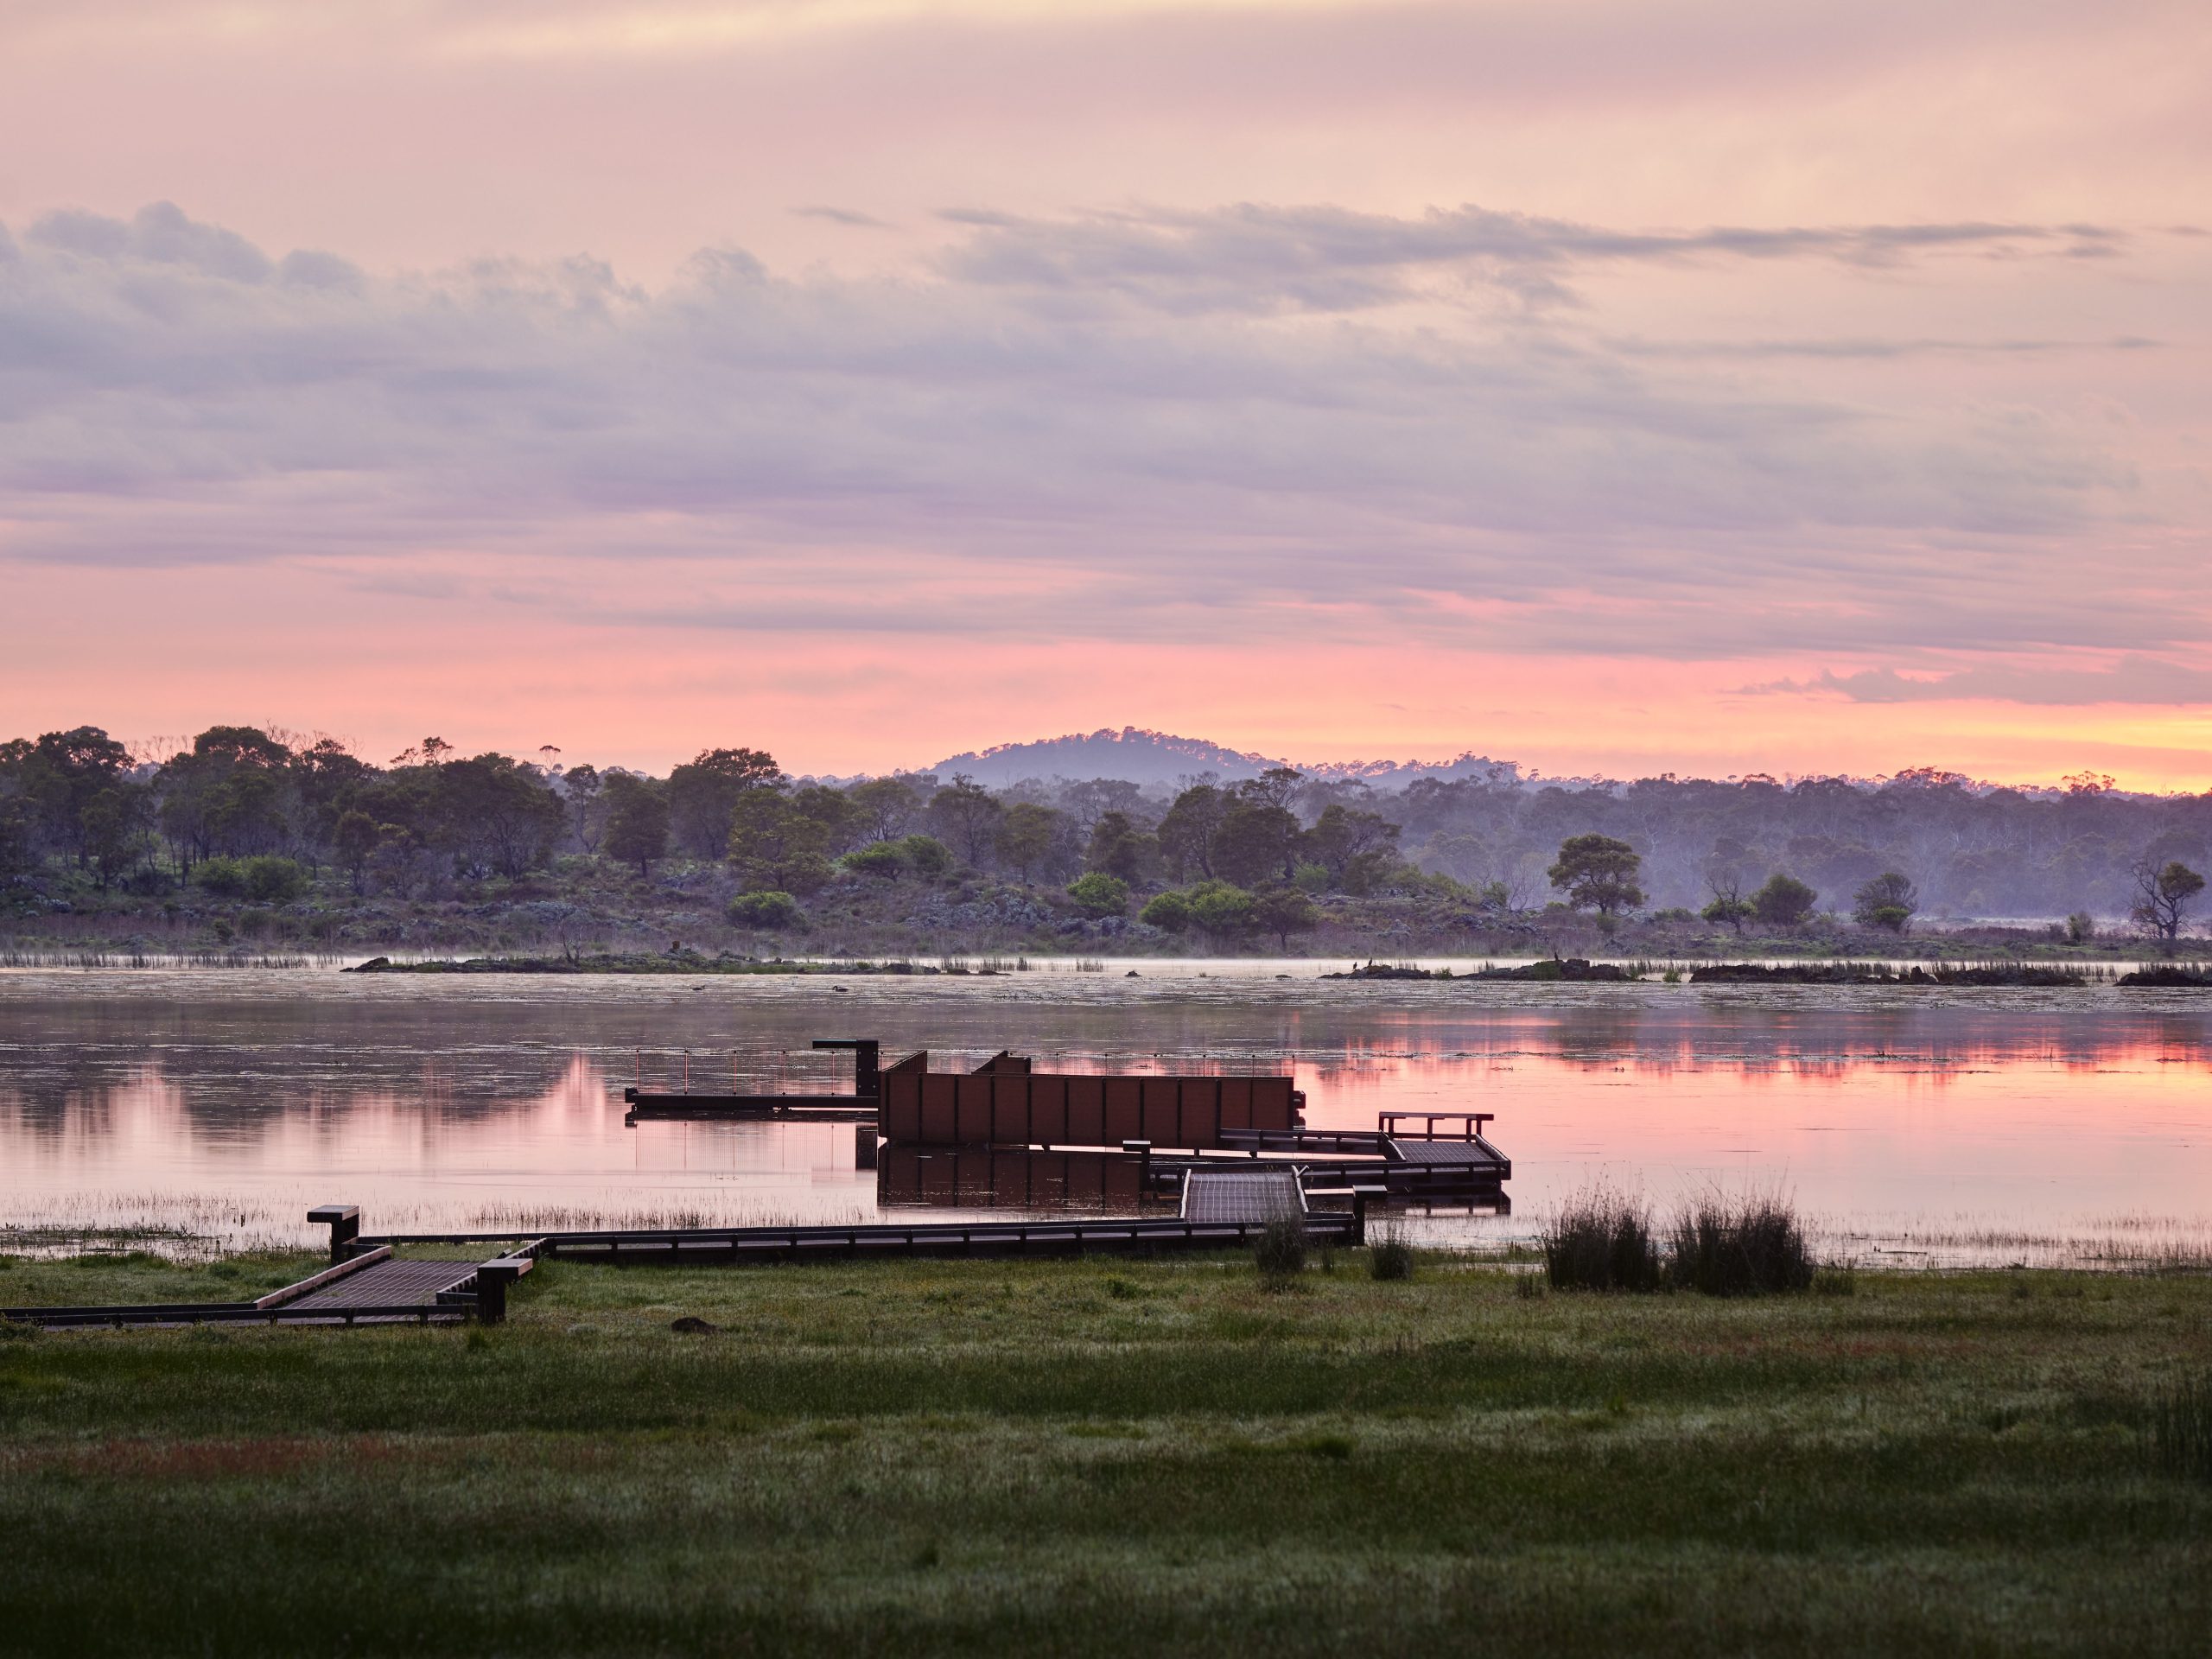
<point x="2028" y="1138"/>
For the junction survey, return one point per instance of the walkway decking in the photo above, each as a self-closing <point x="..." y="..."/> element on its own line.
<point x="1245" y="1197"/>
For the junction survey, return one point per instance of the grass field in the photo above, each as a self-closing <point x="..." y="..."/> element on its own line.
<point x="1111" y="1457"/>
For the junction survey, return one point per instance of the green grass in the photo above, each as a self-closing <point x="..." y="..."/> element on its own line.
<point x="1114" y="1457"/>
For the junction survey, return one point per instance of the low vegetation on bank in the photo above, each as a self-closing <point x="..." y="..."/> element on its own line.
<point x="1117" y="1456"/>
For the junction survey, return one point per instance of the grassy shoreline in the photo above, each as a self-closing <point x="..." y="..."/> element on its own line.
<point x="1108" y="1457"/>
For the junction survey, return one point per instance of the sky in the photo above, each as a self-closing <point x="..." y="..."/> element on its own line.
<point x="1617" y="386"/>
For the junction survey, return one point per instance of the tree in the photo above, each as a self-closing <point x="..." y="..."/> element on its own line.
<point x="109" y="825"/>
<point x="968" y="814"/>
<point x="784" y="842"/>
<point x="1118" y="848"/>
<point x="886" y="806"/>
<point x="1098" y="894"/>
<point x="703" y="793"/>
<point x="1025" y="835"/>
<point x="496" y="814"/>
<point x="587" y="807"/>
<point x="353" y="841"/>
<point x="1355" y="846"/>
<point x="1272" y="787"/>
<point x="637" y="821"/>
<point x="1888" y="901"/>
<point x="1598" y="873"/>
<point x="1255" y="842"/>
<point x="2163" y="897"/>
<point x="1186" y="833"/>
<point x="63" y="771"/>
<point x="1283" y="911"/>
<point x="1728" y="904"/>
<point x="1784" y="901"/>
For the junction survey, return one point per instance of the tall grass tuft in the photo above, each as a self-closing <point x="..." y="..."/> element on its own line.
<point x="2180" y="1426"/>
<point x="1601" y="1239"/>
<point x="1279" y="1252"/>
<point x="1739" y="1246"/>
<point x="1390" y="1254"/>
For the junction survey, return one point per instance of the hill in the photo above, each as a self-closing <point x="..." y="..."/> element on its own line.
<point x="1147" y="758"/>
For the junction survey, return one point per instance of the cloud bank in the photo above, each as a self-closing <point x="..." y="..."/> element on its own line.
<point x="1108" y="425"/>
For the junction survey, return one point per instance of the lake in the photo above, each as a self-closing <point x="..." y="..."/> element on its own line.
<point x="211" y="1108"/>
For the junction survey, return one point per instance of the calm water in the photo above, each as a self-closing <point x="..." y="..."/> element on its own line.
<point x="1911" y="1125"/>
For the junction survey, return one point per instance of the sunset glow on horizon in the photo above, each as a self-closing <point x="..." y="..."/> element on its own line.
<point x="1623" y="386"/>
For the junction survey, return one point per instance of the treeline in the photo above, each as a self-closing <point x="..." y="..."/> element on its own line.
<point x="258" y="814"/>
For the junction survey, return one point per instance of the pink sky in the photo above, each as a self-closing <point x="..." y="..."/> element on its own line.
<point x="1674" y="386"/>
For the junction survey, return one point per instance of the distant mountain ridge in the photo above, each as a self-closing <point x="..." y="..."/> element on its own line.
<point x="1144" y="758"/>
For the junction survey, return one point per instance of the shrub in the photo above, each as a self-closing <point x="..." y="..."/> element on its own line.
<point x="1743" y="1247"/>
<point x="1601" y="1239"/>
<point x="1100" y="894"/>
<point x="2180" y="1424"/>
<point x="1784" y="901"/>
<point x="885" y="860"/>
<point x="928" y="856"/>
<point x="2081" y="928"/>
<point x="224" y="877"/>
<point x="274" y="880"/>
<point x="1219" y="907"/>
<point x="773" y="908"/>
<point x="1170" y="911"/>
<point x="1390" y="1255"/>
<point x="1279" y="1251"/>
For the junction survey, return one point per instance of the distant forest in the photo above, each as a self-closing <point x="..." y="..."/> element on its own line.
<point x="256" y="814"/>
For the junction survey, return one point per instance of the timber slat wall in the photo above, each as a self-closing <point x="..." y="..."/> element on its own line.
<point x="1000" y="1106"/>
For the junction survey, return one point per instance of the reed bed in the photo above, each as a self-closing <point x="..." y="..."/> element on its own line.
<point x="1604" y="1239"/>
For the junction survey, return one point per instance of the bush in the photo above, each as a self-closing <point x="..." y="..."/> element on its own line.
<point x="1744" y="1247"/>
<point x="927" y="855"/>
<point x="224" y="877"/>
<point x="266" y="880"/>
<point x="885" y="860"/>
<point x="1601" y="1239"/>
<point x="1390" y="1255"/>
<point x="1100" y="894"/>
<point x="1170" y="911"/>
<point x="2081" y="928"/>
<point x="274" y="880"/>
<point x="1279" y="1251"/>
<point x="773" y="908"/>
<point x="1219" y="907"/>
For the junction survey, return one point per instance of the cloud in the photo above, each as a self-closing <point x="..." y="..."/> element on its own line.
<point x="844" y="216"/>
<point x="2132" y="679"/>
<point x="922" y="450"/>
<point x="1256" y="257"/>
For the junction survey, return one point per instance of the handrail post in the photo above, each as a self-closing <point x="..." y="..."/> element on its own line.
<point x="344" y="1221"/>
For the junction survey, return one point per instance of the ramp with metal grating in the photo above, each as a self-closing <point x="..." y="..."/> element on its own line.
<point x="389" y="1283"/>
<point x="1242" y="1196"/>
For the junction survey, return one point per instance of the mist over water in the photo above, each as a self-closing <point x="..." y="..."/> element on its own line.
<point x="1912" y="1125"/>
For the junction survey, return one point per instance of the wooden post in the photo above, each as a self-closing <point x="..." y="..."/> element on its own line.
<point x="344" y="1221"/>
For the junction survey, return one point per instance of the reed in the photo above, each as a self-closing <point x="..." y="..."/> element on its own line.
<point x="1602" y="1239"/>
<point x="1390" y="1254"/>
<point x="2179" y="1425"/>
<point x="1745" y="1246"/>
<point x="1279" y="1252"/>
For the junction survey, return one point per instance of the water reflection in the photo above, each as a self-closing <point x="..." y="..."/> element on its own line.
<point x="2003" y="1126"/>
